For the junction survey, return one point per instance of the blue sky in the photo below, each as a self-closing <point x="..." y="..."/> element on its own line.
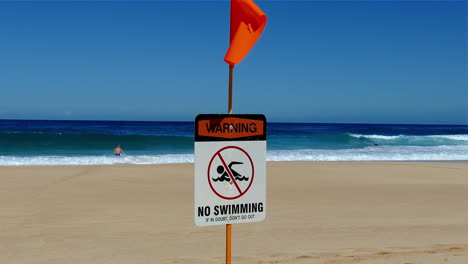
<point x="317" y="61"/>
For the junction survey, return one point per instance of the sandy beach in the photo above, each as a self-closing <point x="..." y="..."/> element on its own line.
<point x="337" y="212"/>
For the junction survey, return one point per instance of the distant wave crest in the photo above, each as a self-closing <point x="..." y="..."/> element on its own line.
<point x="376" y="153"/>
<point x="430" y="140"/>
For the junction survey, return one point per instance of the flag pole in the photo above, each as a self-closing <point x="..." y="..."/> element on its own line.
<point x="231" y="69"/>
<point x="240" y="42"/>
<point x="228" y="226"/>
<point x="228" y="243"/>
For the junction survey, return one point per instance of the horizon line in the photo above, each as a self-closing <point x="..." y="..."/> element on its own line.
<point x="284" y="122"/>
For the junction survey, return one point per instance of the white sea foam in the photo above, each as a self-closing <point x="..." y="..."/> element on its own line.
<point x="376" y="136"/>
<point x="375" y="153"/>
<point x="379" y="153"/>
<point x="452" y="137"/>
<point x="94" y="160"/>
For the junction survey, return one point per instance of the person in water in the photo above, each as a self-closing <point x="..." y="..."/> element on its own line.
<point x="118" y="151"/>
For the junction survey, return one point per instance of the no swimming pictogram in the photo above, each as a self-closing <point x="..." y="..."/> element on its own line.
<point x="230" y="172"/>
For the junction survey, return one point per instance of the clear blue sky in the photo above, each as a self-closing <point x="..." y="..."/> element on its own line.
<point x="317" y="61"/>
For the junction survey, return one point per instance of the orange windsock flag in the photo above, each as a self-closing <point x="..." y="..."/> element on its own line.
<point x="247" y="24"/>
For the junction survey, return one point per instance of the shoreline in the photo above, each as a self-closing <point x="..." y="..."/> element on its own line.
<point x="288" y="161"/>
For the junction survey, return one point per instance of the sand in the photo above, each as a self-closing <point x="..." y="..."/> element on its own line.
<point x="333" y="212"/>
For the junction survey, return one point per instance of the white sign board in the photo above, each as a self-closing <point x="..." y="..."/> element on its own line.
<point x="230" y="169"/>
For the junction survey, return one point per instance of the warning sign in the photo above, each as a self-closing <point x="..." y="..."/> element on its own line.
<point x="230" y="169"/>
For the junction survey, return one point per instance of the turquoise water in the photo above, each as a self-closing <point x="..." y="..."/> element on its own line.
<point x="34" y="142"/>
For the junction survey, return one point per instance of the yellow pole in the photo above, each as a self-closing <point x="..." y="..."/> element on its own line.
<point x="231" y="69"/>
<point x="228" y="244"/>
<point x="228" y="226"/>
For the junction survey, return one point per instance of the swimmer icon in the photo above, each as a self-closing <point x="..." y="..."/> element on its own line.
<point x="238" y="172"/>
<point x="225" y="176"/>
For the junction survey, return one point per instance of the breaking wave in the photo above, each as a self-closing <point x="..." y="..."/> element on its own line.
<point x="374" y="153"/>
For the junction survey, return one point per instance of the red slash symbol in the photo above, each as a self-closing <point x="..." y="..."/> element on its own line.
<point x="222" y="178"/>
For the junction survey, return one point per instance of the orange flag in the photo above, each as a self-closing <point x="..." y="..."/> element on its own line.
<point x="247" y="24"/>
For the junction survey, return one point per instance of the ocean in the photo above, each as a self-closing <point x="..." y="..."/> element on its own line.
<point x="38" y="142"/>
